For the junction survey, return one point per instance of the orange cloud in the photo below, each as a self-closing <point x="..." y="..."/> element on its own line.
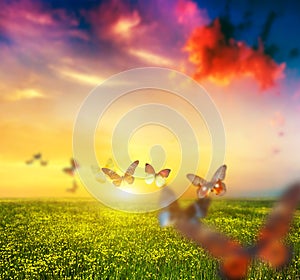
<point x="224" y="60"/>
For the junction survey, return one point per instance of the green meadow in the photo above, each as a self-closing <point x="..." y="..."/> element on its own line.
<point x="82" y="239"/>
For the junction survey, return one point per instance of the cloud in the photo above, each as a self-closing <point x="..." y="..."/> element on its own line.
<point x="222" y="60"/>
<point x="27" y="93"/>
<point x="151" y="57"/>
<point x="148" y="32"/>
<point x="80" y="77"/>
<point x="24" y="21"/>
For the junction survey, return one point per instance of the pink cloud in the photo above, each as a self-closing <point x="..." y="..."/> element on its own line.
<point x="32" y="21"/>
<point x="113" y="20"/>
<point x="157" y="27"/>
<point x="222" y="61"/>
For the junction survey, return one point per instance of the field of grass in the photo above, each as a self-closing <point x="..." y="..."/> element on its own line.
<point x="81" y="239"/>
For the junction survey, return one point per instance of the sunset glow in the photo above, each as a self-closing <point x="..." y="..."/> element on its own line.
<point x="53" y="54"/>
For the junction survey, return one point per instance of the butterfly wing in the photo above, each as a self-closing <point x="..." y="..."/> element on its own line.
<point x="219" y="174"/>
<point x="116" y="179"/>
<point x="150" y="174"/>
<point x="219" y="188"/>
<point x="203" y="190"/>
<point x="170" y="213"/>
<point x="149" y="179"/>
<point x="29" y="161"/>
<point x="164" y="173"/>
<point x="160" y="181"/>
<point x="128" y="176"/>
<point x="149" y="169"/>
<point x="129" y="179"/>
<point x="74" y="163"/>
<point x="160" y="177"/>
<point x="270" y="247"/>
<point x="111" y="174"/>
<point x="196" y="180"/>
<point x="235" y="259"/>
<point x="198" y="209"/>
<point x="69" y="171"/>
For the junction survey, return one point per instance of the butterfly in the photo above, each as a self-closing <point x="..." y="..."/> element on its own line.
<point x="71" y="170"/>
<point x="34" y="158"/>
<point x="234" y="258"/>
<point x="128" y="176"/>
<point x="195" y="211"/>
<point x="28" y="162"/>
<point x="215" y="185"/>
<point x="37" y="156"/>
<point x="74" y="188"/>
<point x="159" y="178"/>
<point x="43" y="162"/>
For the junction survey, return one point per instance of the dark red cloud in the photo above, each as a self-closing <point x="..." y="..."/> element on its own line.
<point x="224" y="60"/>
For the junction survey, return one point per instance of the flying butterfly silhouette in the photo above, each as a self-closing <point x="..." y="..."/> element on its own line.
<point x="28" y="162"/>
<point x="159" y="178"/>
<point x="71" y="170"/>
<point x="43" y="162"/>
<point x="234" y="258"/>
<point x="215" y="185"/>
<point x="74" y="187"/>
<point x="37" y="156"/>
<point x="34" y="158"/>
<point x="127" y="177"/>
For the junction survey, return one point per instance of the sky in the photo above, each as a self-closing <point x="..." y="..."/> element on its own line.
<point x="246" y="54"/>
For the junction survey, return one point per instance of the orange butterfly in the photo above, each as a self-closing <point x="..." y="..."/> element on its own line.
<point x="215" y="185"/>
<point x="71" y="170"/>
<point x="159" y="178"/>
<point x="235" y="259"/>
<point x="128" y="176"/>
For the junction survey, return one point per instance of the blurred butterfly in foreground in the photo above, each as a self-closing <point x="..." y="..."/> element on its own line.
<point x="169" y="215"/>
<point x="234" y="258"/>
<point x="128" y="176"/>
<point x="159" y="178"/>
<point x="215" y="185"/>
<point x="71" y="170"/>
